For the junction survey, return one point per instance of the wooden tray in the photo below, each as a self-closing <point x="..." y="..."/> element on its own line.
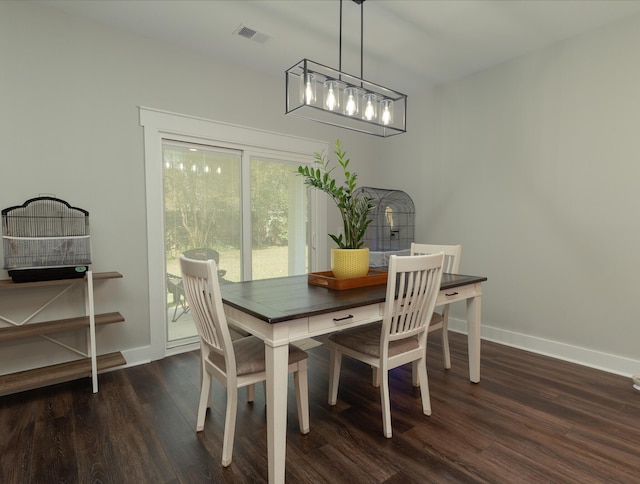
<point x="326" y="279"/>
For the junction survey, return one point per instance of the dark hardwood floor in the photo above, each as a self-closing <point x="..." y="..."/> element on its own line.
<point x="530" y="419"/>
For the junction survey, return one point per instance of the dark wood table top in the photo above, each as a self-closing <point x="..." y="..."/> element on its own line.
<point x="287" y="298"/>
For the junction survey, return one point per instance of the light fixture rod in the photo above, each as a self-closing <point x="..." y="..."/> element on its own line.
<point x="340" y="46"/>
<point x="361" y="40"/>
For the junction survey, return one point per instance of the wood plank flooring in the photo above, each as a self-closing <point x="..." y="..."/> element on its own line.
<point x="530" y="419"/>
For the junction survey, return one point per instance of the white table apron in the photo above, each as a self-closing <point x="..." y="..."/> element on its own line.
<point x="277" y="337"/>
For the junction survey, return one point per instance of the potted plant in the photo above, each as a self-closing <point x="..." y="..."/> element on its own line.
<point x="350" y="259"/>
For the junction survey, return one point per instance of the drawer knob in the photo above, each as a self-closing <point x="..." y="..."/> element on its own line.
<point x="451" y="294"/>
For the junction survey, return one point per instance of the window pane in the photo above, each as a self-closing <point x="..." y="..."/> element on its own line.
<point x="202" y="215"/>
<point x="278" y="220"/>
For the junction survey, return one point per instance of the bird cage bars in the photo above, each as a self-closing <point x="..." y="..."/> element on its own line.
<point x="45" y="238"/>
<point x="393" y="226"/>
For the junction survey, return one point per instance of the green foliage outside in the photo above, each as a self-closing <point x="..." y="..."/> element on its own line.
<point x="202" y="201"/>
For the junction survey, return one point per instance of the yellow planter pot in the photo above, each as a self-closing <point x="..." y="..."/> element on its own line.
<point x="348" y="263"/>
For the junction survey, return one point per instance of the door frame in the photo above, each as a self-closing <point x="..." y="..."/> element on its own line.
<point x="158" y="124"/>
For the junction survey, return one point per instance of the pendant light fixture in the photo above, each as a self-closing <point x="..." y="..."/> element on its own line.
<point x="320" y="93"/>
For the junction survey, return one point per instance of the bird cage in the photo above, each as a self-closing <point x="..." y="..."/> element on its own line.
<point x="45" y="239"/>
<point x="393" y="220"/>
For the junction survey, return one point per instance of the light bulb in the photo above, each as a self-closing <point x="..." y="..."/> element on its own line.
<point x="308" y="91"/>
<point x="369" y="107"/>
<point x="351" y="103"/>
<point x="386" y="117"/>
<point x="331" y="95"/>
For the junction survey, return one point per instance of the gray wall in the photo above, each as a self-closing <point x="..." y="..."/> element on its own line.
<point x="529" y="165"/>
<point x="533" y="166"/>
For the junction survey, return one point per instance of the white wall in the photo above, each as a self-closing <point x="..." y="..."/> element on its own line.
<point x="69" y="125"/>
<point x="534" y="169"/>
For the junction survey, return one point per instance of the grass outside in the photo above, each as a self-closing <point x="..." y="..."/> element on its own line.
<point x="267" y="263"/>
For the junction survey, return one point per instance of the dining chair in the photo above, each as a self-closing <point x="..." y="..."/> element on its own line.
<point x="236" y="364"/>
<point x="440" y="318"/>
<point x="174" y="287"/>
<point x="401" y="336"/>
<point x="205" y="253"/>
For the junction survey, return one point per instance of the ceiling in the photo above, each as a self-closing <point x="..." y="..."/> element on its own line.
<point x="407" y="43"/>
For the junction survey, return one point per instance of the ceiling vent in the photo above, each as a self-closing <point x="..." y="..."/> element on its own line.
<point x="251" y="34"/>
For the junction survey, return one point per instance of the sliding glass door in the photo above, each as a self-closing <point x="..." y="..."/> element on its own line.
<point x="246" y="210"/>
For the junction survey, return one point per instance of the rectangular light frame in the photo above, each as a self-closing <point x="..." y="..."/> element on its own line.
<point x="314" y="110"/>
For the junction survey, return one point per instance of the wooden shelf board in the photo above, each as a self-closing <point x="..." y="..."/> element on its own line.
<point x="48" y="375"/>
<point x="48" y="327"/>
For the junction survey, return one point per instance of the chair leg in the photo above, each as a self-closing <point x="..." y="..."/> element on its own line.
<point x="175" y="310"/>
<point x="205" y="390"/>
<point x="385" y="402"/>
<point x="414" y="374"/>
<point x="335" y="361"/>
<point x="424" y="385"/>
<point x="301" y="383"/>
<point x="376" y="376"/>
<point x="446" y="355"/>
<point x="229" y="424"/>
<point x="251" y="392"/>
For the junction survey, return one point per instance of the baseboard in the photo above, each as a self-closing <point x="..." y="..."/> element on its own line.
<point x="575" y="354"/>
<point x="137" y="356"/>
<point x="143" y="354"/>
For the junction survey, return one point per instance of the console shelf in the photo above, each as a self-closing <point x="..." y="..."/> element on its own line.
<point x="88" y="364"/>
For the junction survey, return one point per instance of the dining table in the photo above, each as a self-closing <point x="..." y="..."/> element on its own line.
<point x="284" y="310"/>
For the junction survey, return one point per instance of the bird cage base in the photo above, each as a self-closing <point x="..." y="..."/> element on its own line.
<point x="50" y="274"/>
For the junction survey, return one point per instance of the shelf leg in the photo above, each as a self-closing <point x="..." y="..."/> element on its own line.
<point x="92" y="332"/>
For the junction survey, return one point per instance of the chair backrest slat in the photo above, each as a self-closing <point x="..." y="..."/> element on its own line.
<point x="412" y="289"/>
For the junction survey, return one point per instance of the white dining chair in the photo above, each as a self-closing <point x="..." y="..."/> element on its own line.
<point x="236" y="364"/>
<point x="440" y="318"/>
<point x="401" y="337"/>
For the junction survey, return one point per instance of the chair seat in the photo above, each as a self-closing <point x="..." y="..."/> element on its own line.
<point x="250" y="356"/>
<point x="366" y="340"/>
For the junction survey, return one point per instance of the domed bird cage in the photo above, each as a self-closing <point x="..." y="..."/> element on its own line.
<point x="393" y="220"/>
<point x="45" y="239"/>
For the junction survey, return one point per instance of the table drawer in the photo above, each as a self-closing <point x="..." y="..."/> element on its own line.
<point x="336" y="320"/>
<point x="458" y="294"/>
